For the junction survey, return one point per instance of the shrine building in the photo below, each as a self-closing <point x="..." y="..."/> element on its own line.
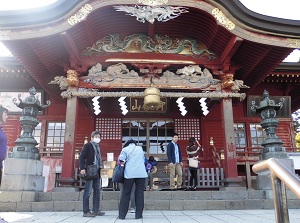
<point x="140" y="71"/>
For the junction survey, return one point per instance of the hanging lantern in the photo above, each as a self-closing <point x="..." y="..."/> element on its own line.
<point x="151" y="97"/>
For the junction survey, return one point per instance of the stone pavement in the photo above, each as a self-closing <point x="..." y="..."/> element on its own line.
<point x="207" y="216"/>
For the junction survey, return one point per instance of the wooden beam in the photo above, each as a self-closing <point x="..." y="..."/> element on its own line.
<point x="229" y="51"/>
<point x="151" y="30"/>
<point x="72" y="51"/>
<point x="231" y="48"/>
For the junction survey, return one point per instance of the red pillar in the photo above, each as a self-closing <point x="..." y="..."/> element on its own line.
<point x="67" y="175"/>
<point x="230" y="162"/>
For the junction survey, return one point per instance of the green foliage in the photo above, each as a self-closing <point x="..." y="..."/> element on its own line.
<point x="296" y="117"/>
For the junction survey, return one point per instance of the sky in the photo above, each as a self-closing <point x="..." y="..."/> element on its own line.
<point x="277" y="8"/>
<point x="23" y="4"/>
<point x="287" y="9"/>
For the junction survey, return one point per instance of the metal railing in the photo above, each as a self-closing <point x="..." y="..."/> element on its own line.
<point x="280" y="176"/>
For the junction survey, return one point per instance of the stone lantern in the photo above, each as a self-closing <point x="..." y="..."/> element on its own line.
<point x="23" y="169"/>
<point x="272" y="145"/>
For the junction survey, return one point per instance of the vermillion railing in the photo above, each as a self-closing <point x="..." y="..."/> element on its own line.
<point x="51" y="151"/>
<point x="280" y="177"/>
<point x="244" y="154"/>
<point x="252" y="153"/>
<point x="54" y="151"/>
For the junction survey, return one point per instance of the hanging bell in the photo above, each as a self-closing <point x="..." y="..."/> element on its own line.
<point x="151" y="97"/>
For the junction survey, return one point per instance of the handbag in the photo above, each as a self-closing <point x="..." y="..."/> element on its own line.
<point x="193" y="163"/>
<point x="118" y="174"/>
<point x="91" y="172"/>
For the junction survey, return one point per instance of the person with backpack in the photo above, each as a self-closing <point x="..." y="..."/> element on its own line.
<point x="150" y="165"/>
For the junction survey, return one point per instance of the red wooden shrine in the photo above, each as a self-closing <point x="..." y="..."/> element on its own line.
<point x="64" y="49"/>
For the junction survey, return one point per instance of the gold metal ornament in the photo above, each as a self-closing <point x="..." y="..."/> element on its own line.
<point x="151" y="97"/>
<point x="222" y="155"/>
<point x="222" y="19"/>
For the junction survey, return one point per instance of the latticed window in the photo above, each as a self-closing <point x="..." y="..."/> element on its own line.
<point x="37" y="133"/>
<point x="187" y="127"/>
<point x="55" y="134"/>
<point x="152" y="135"/>
<point x="160" y="132"/>
<point x="257" y="135"/>
<point x="110" y="128"/>
<point x="240" y="135"/>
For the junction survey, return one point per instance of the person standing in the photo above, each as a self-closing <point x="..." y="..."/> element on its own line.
<point x="134" y="173"/>
<point x="132" y="195"/>
<point x="3" y="139"/>
<point x="90" y="155"/>
<point x="175" y="162"/>
<point x="193" y="153"/>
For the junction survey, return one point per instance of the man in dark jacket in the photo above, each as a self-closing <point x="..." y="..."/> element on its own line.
<point x="175" y="162"/>
<point x="90" y="155"/>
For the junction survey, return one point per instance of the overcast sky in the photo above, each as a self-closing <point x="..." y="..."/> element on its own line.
<point x="278" y="8"/>
<point x="288" y="9"/>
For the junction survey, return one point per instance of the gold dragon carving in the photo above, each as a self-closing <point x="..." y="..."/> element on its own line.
<point x="230" y="84"/>
<point x="72" y="78"/>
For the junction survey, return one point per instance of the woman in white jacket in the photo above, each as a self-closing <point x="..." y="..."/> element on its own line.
<point x="135" y="172"/>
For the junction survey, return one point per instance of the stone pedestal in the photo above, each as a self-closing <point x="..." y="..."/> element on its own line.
<point x="23" y="175"/>
<point x="263" y="179"/>
<point x="23" y="170"/>
<point x="232" y="183"/>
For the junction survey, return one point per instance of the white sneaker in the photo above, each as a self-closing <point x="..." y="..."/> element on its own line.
<point x="132" y="210"/>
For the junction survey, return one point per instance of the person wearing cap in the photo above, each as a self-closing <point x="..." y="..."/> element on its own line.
<point x="134" y="173"/>
<point x="3" y="139"/>
<point x="88" y="157"/>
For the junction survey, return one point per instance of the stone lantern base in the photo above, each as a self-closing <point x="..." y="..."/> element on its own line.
<point x="263" y="180"/>
<point x="23" y="175"/>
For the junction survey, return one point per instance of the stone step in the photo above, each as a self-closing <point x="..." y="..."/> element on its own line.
<point x="154" y="200"/>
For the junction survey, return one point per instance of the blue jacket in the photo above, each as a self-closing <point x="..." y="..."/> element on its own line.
<point x="153" y="163"/>
<point x="134" y="157"/>
<point x="171" y="153"/>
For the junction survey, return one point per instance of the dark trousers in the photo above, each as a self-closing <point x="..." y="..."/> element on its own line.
<point x="132" y="195"/>
<point x="89" y="185"/>
<point x="139" y="197"/>
<point x="193" y="177"/>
